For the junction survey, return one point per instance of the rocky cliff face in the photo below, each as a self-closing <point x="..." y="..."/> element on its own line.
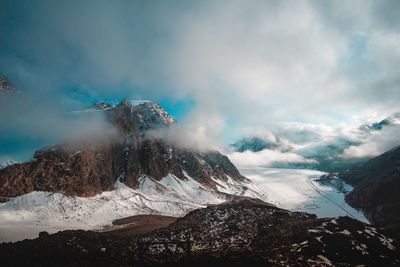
<point x="89" y="169"/>
<point x="376" y="189"/>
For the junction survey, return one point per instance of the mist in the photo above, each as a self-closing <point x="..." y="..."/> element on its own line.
<point x="46" y="123"/>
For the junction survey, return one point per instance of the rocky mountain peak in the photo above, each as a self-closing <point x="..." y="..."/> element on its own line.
<point x="87" y="171"/>
<point x="146" y="112"/>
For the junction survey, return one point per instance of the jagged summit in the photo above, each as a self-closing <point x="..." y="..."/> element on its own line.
<point x="146" y="113"/>
<point x="90" y="170"/>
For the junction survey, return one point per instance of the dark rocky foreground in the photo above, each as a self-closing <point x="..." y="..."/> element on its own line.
<point x="238" y="233"/>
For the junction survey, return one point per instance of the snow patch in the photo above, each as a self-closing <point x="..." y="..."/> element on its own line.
<point x="297" y="190"/>
<point x="345" y="232"/>
<point x="27" y="215"/>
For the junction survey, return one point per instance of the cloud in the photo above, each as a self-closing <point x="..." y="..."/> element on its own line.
<point x="377" y="143"/>
<point x="268" y="158"/>
<point x="43" y="122"/>
<point x="246" y="64"/>
<point x="184" y="138"/>
<point x="321" y="146"/>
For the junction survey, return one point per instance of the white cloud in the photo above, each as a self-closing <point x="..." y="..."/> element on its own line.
<point x="267" y="158"/>
<point x="249" y="63"/>
<point x="377" y="143"/>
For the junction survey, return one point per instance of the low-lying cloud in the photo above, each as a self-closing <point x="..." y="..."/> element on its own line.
<point x="268" y="158"/>
<point x="32" y="118"/>
<point x="321" y="146"/>
<point x="377" y="143"/>
<point x="194" y="139"/>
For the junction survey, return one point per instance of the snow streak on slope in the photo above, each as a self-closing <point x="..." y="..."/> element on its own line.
<point x="297" y="190"/>
<point x="25" y="216"/>
<point x="5" y="163"/>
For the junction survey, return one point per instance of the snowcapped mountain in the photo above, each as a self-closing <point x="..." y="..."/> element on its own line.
<point x="87" y="185"/>
<point x="89" y="169"/>
<point x="6" y="163"/>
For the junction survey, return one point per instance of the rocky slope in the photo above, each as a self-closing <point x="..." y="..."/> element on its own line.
<point x="376" y="189"/>
<point x="87" y="170"/>
<point x="237" y="233"/>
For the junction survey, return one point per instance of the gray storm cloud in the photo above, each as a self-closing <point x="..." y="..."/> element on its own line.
<point x="252" y="63"/>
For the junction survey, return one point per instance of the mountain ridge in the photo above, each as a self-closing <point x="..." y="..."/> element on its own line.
<point x="376" y="185"/>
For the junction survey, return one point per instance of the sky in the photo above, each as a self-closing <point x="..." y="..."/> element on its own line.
<point x="223" y="68"/>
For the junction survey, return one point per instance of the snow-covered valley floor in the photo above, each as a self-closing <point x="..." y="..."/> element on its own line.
<point x="298" y="190"/>
<point x="294" y="189"/>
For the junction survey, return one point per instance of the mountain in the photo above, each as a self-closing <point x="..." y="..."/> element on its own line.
<point x="5" y="163"/>
<point x="87" y="171"/>
<point x="393" y="119"/>
<point x="376" y="189"/>
<point x="87" y="184"/>
<point x="241" y="232"/>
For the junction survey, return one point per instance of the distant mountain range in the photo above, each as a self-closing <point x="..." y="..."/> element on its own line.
<point x="318" y="152"/>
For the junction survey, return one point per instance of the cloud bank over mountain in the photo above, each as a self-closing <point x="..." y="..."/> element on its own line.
<point x="245" y="64"/>
<point x="317" y="146"/>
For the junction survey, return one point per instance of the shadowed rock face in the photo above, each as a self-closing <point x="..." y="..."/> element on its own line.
<point x="376" y="190"/>
<point x="86" y="170"/>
